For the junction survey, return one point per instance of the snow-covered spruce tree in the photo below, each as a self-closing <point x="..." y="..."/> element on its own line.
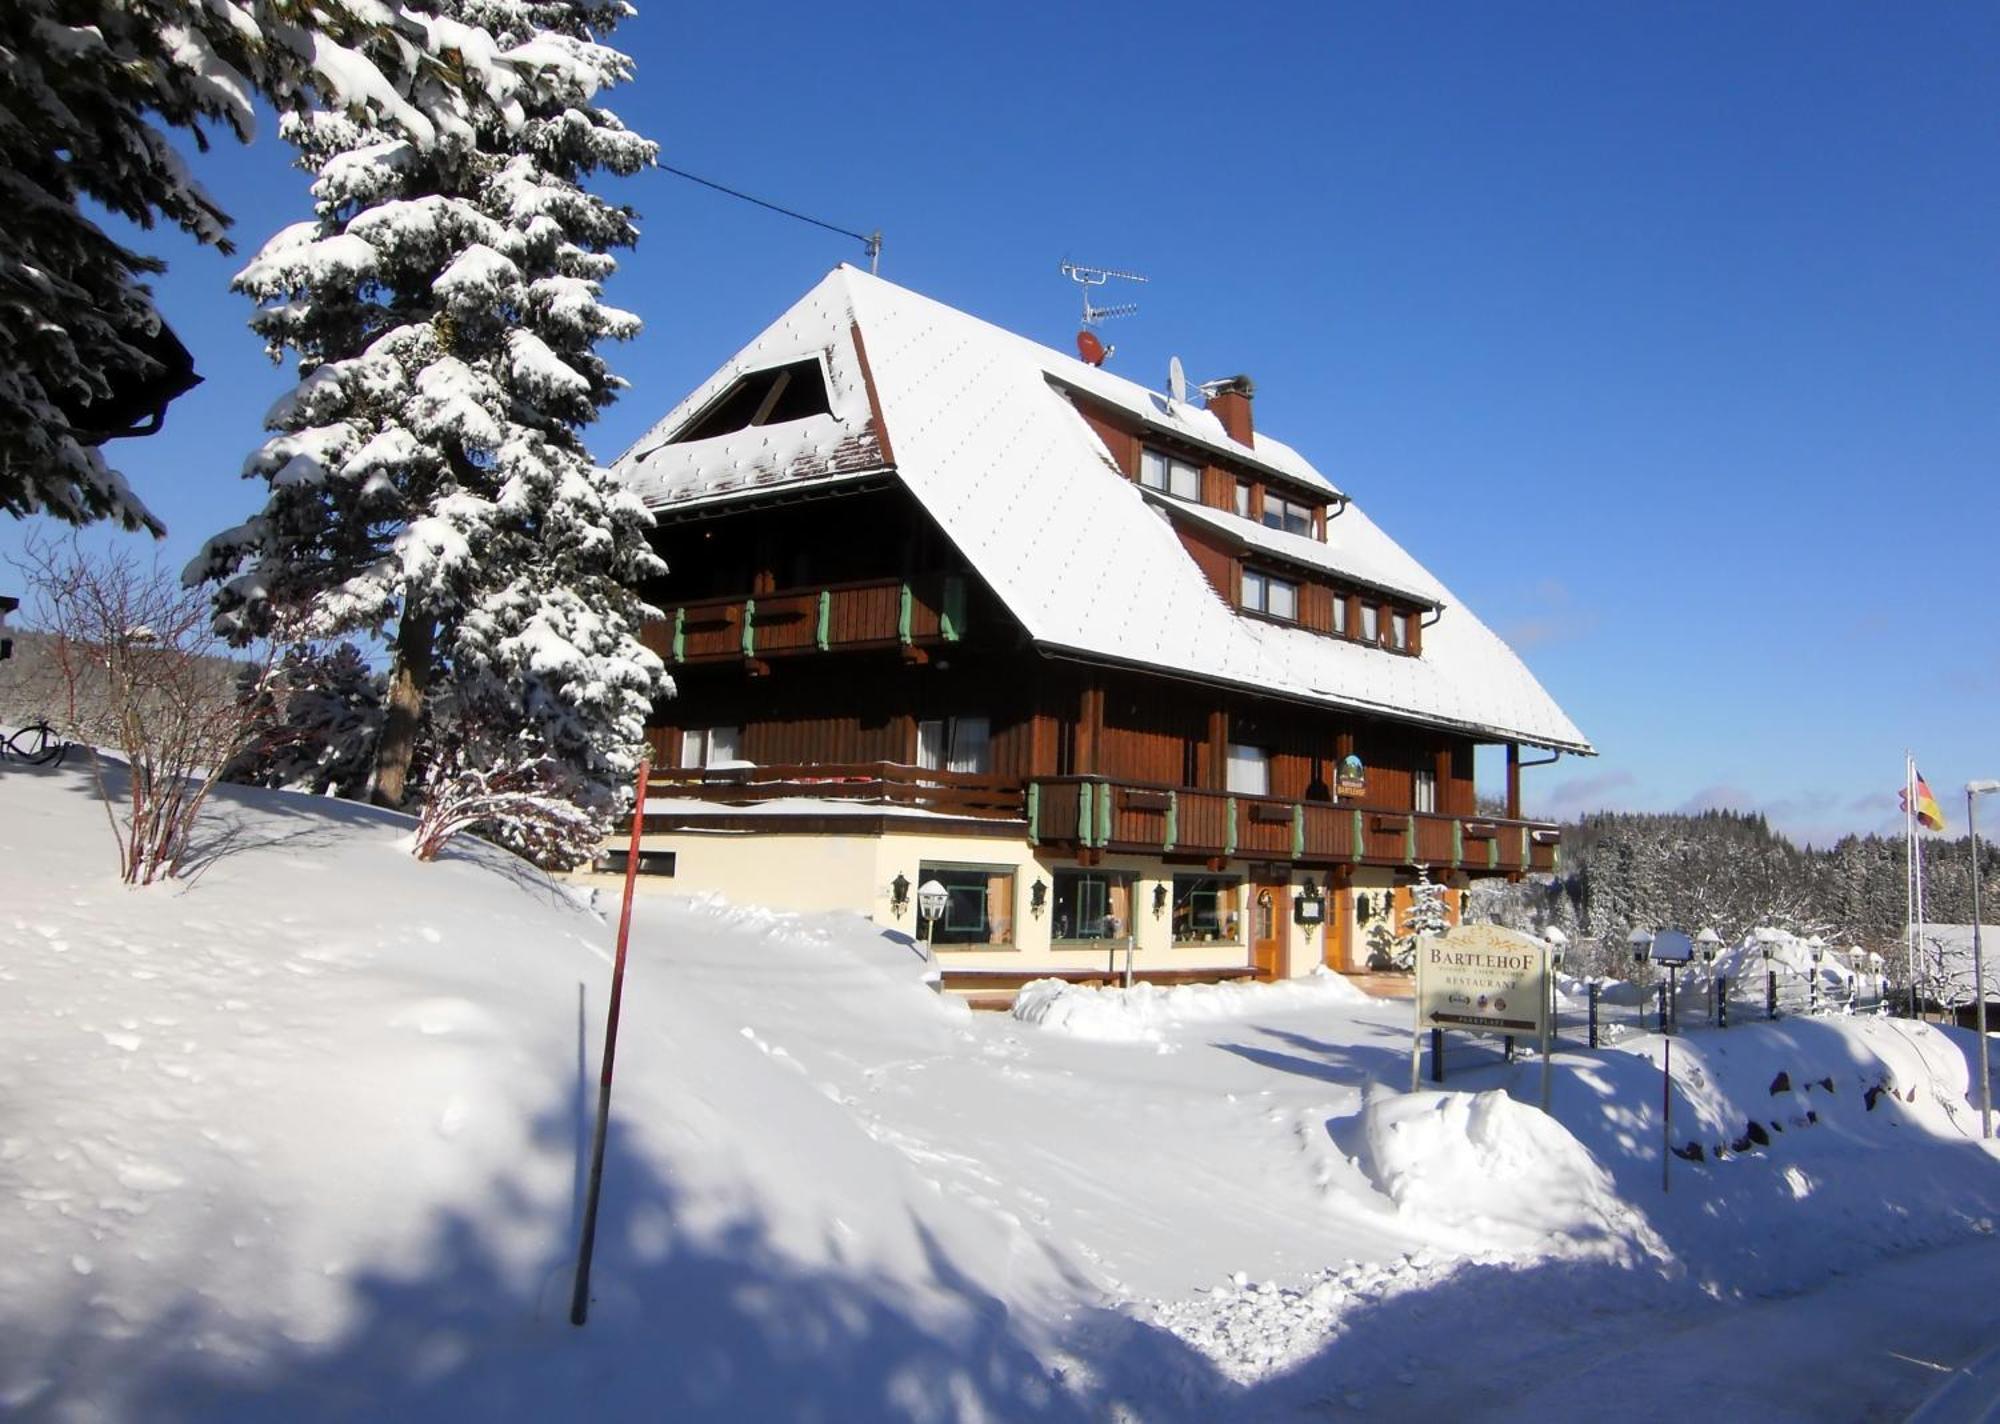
<point x="427" y="473"/>
<point x="321" y="715"/>
<point x="88" y="92"/>
<point x="1428" y="913"/>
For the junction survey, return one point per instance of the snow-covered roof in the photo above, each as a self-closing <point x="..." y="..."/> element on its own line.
<point x="1359" y="553"/>
<point x="976" y="422"/>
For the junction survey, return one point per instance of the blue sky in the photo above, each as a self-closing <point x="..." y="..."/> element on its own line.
<point x="1666" y="335"/>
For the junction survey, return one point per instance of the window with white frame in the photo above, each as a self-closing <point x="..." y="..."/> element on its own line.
<point x="955" y="744"/>
<point x="1249" y="770"/>
<point x="710" y="746"/>
<point x="1371" y="623"/>
<point x="1161" y="471"/>
<point x="1287" y="514"/>
<point x="1340" y="613"/>
<point x="1268" y="594"/>
<point x="1399" y="632"/>
<point x="1243" y="499"/>
<point x="1427" y="791"/>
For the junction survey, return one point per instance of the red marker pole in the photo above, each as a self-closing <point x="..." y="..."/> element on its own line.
<point x="579" y="1301"/>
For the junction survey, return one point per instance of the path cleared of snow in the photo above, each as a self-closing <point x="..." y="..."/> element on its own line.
<point x="304" y="1139"/>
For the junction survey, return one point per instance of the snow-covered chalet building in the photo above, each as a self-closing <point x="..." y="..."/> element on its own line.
<point x="1128" y="677"/>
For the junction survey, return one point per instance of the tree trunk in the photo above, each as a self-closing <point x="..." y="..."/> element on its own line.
<point x="409" y="680"/>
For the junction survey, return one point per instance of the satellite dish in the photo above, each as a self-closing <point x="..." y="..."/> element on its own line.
<point x="1090" y="348"/>
<point x="1176" y="381"/>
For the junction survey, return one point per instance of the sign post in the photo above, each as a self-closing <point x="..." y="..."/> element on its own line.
<point x="1672" y="948"/>
<point x="1482" y="979"/>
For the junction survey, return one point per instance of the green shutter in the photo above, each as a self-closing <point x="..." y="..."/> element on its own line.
<point x="1104" y="816"/>
<point x="1083" y="809"/>
<point x="951" y="621"/>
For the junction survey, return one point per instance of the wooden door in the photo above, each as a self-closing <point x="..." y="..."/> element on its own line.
<point x="1268" y="903"/>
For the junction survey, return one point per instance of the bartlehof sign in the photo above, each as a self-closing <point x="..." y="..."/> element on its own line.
<point x="1482" y="978"/>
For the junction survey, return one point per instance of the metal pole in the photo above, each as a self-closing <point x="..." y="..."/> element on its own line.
<point x="579" y="1300"/>
<point x="1667" y="1103"/>
<point x="1979" y="978"/>
<point x="1593" y="1012"/>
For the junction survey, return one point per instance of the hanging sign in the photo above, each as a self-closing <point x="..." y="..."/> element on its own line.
<point x="1351" y="779"/>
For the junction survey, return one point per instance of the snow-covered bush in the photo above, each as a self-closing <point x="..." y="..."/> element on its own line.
<point x="428" y="473"/>
<point x="526" y="804"/>
<point x="321" y="712"/>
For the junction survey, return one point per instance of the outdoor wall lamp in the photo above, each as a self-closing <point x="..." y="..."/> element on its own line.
<point x="899" y="895"/>
<point x="1038" y="897"/>
<point x="1159" y="899"/>
<point x="1710" y="942"/>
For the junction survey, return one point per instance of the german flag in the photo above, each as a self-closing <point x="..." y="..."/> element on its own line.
<point x="1928" y="814"/>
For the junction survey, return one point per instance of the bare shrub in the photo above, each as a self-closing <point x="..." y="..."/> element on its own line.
<point x="527" y="806"/>
<point x="138" y="670"/>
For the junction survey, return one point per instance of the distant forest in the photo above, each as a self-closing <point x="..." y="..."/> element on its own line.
<point x="1732" y="872"/>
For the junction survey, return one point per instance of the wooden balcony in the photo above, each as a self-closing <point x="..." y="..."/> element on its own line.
<point x="884" y="613"/>
<point x="1074" y="815"/>
<point x="885" y="784"/>
<point x="1090" y="813"/>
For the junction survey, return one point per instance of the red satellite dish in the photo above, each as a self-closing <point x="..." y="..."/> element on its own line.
<point x="1090" y="348"/>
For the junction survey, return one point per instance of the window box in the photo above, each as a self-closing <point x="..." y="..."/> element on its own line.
<point x="1268" y="814"/>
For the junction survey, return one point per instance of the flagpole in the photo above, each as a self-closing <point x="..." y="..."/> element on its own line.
<point x="1910" y="874"/>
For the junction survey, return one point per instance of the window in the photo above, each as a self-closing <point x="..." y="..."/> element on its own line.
<point x="1399" y="631"/>
<point x="1249" y="770"/>
<point x="1371" y="623"/>
<point x="762" y="398"/>
<point x="955" y="744"/>
<point x="1243" y="499"/>
<point x="979" y="904"/>
<point x="711" y="746"/>
<point x="1269" y="594"/>
<point x="1340" y="614"/>
<point x="1092" y="905"/>
<point x="1427" y="791"/>
<point x="1288" y="515"/>
<point x="1204" y="909"/>
<point x="1161" y="471"/>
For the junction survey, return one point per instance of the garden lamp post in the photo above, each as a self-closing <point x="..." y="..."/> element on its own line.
<point x="932" y="897"/>
<point x="1974" y="790"/>
<point x="1708" y="942"/>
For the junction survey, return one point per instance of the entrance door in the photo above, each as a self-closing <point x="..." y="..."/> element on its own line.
<point x="1268" y="902"/>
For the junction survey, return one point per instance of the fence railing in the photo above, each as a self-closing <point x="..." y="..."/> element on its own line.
<point x="880" y="613"/>
<point x="1608" y="1011"/>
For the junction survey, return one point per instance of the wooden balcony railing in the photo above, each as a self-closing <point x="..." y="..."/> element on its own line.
<point x="1097" y="813"/>
<point x="883" y="613"/>
<point x="1100" y="814"/>
<point x="949" y="792"/>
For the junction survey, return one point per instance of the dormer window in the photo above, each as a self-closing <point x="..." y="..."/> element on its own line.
<point x="1161" y="471"/>
<point x="1399" y="632"/>
<point x="1270" y="595"/>
<point x="1371" y="623"/>
<point x="769" y="397"/>
<point x="1288" y="515"/>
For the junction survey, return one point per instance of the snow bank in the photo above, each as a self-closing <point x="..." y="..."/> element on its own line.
<point x="1140" y="1014"/>
<point x="1483" y="1169"/>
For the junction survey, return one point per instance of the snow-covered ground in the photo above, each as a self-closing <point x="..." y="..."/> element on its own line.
<point x="305" y="1139"/>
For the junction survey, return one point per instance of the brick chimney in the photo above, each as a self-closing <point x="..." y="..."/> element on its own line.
<point x="1230" y="403"/>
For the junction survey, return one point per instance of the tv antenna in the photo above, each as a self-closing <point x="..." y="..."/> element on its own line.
<point x="1088" y="346"/>
<point x="1088" y="277"/>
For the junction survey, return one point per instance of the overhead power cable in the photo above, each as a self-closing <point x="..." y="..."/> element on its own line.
<point x="871" y="243"/>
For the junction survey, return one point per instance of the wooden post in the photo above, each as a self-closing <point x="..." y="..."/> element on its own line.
<point x="1514" y="781"/>
<point x="1090" y="729"/>
<point x="579" y="1301"/>
<point x="1218" y="748"/>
